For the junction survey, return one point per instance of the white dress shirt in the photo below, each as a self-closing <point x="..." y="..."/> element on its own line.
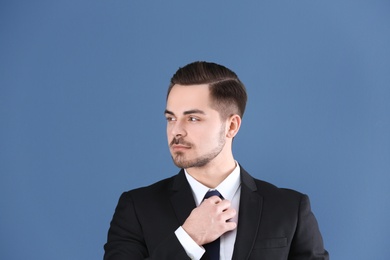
<point x="230" y="189"/>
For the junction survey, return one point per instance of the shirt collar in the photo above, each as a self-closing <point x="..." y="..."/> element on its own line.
<point x="228" y="187"/>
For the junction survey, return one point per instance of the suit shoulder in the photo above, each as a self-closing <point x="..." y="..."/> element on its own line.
<point x="155" y="191"/>
<point x="161" y="184"/>
<point x="268" y="189"/>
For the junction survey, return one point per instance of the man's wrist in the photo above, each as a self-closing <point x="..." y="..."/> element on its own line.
<point x="193" y="250"/>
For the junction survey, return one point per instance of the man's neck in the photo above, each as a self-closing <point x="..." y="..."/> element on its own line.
<point x="212" y="174"/>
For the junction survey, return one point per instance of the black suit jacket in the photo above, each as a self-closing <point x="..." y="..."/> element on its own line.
<point x="273" y="223"/>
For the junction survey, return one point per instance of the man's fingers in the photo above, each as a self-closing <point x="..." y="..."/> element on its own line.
<point x="230" y="226"/>
<point x="210" y="220"/>
<point x="220" y="207"/>
<point x="228" y="214"/>
<point x="214" y="199"/>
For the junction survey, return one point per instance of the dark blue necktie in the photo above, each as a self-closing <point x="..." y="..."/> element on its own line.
<point x="212" y="248"/>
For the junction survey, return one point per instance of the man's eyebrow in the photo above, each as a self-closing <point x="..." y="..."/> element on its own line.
<point x="188" y="112"/>
<point x="194" y="111"/>
<point x="168" y="112"/>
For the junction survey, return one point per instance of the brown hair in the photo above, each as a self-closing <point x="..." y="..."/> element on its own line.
<point x="227" y="91"/>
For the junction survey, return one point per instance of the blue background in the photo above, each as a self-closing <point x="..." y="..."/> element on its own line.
<point x="82" y="95"/>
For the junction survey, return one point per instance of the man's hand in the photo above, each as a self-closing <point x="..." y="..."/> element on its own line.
<point x="210" y="220"/>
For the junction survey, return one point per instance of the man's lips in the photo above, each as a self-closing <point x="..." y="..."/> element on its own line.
<point x="179" y="147"/>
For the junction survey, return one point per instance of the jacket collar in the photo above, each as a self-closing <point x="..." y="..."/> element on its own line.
<point x="182" y="199"/>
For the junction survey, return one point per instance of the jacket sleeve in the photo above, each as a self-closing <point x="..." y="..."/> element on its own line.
<point x="307" y="242"/>
<point x="126" y="240"/>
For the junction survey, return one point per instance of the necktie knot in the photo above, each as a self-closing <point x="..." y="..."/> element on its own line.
<point x="211" y="193"/>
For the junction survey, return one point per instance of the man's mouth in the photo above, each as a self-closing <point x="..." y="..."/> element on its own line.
<point x="179" y="144"/>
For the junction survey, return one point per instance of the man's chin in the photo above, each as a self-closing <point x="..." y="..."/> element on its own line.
<point x="186" y="164"/>
<point x="181" y="163"/>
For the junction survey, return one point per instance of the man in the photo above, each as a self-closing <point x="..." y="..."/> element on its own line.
<point x="245" y="219"/>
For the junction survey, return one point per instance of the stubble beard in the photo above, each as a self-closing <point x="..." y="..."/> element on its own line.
<point x="180" y="160"/>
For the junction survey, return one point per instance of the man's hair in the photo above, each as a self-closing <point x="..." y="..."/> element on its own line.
<point x="227" y="92"/>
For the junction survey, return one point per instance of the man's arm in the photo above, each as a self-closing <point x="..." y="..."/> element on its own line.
<point x="307" y="242"/>
<point x="126" y="239"/>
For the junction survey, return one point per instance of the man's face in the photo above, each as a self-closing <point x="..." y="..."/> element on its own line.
<point x="196" y="134"/>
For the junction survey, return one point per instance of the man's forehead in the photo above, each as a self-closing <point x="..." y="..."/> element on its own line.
<point x="192" y="96"/>
<point x="191" y="99"/>
<point x="204" y="88"/>
<point x="191" y="85"/>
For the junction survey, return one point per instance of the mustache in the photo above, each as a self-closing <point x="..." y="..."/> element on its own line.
<point x="176" y="141"/>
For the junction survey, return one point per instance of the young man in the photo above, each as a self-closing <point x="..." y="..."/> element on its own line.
<point x="212" y="209"/>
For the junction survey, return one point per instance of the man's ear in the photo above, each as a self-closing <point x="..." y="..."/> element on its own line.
<point x="233" y="125"/>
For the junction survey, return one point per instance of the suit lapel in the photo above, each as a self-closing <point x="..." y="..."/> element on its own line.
<point x="249" y="217"/>
<point x="181" y="198"/>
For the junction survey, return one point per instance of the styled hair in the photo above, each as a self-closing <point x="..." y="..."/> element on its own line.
<point x="227" y="92"/>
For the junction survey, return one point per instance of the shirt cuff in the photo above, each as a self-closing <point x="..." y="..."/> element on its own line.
<point x="193" y="250"/>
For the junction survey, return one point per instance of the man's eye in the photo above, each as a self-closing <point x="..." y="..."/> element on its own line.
<point x="193" y="119"/>
<point x="169" y="119"/>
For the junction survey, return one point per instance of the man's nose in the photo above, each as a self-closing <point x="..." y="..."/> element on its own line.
<point x="178" y="129"/>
